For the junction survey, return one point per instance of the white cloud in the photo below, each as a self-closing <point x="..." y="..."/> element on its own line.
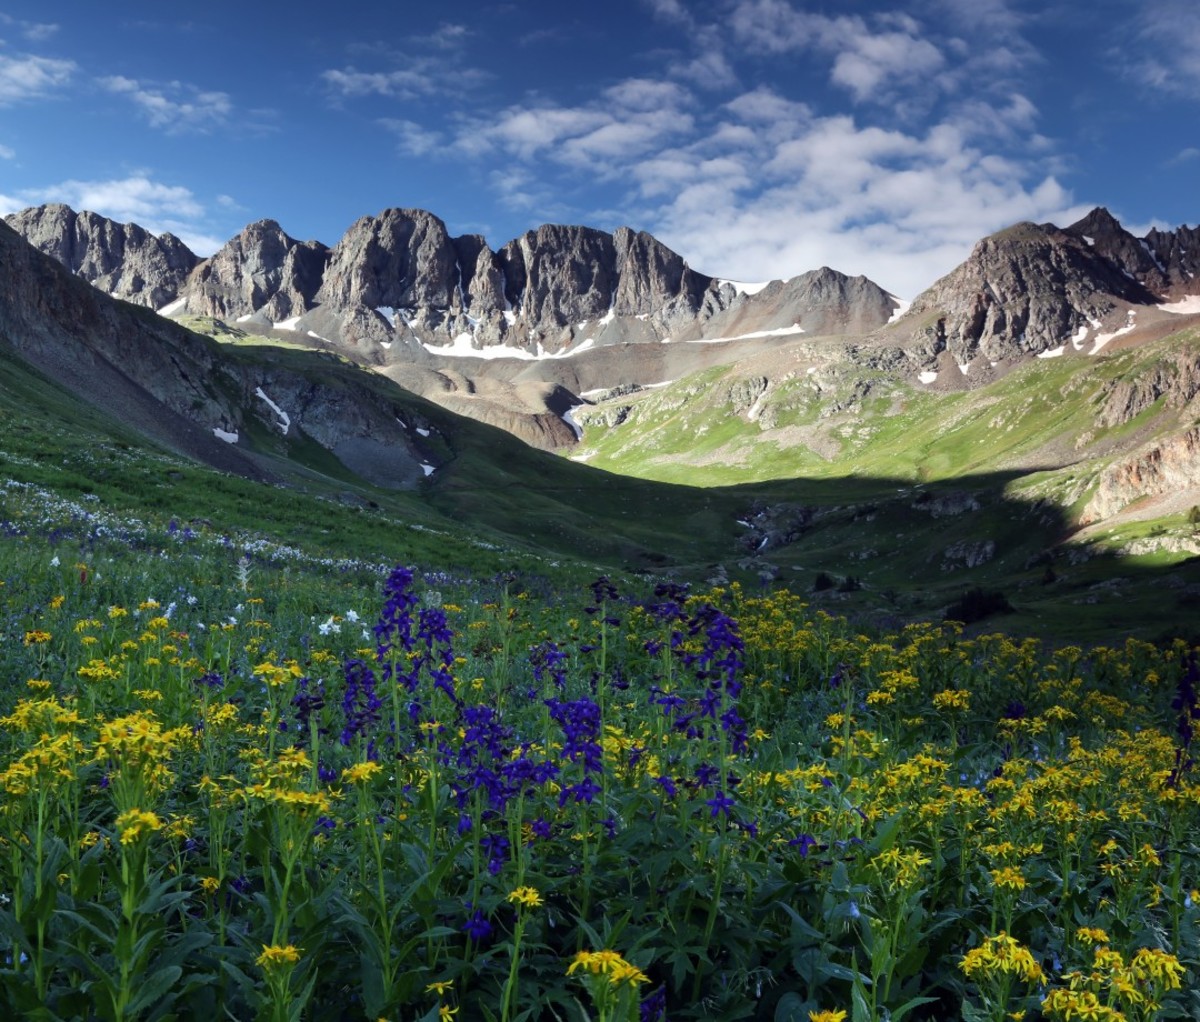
<point x="1166" y="45"/>
<point x="38" y="31"/>
<point x="447" y="37"/>
<point x="417" y="73"/>
<point x="670" y="11"/>
<point x="710" y="69"/>
<point x="24" y="77"/>
<point x="175" y="106"/>
<point x="866" y="62"/>
<point x="34" y="31"/>
<point x="631" y="119"/>
<point x="157" y="207"/>
<point x="402" y="83"/>
<point x="925" y="140"/>
<point x="413" y="139"/>
<point x="901" y="207"/>
<point x="7" y="153"/>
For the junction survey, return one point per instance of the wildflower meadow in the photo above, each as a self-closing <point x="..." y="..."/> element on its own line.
<point x="241" y="781"/>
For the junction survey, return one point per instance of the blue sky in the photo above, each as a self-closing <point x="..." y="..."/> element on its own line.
<point x="758" y="138"/>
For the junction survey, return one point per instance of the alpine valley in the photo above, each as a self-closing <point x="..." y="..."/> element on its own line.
<point x="1023" y="437"/>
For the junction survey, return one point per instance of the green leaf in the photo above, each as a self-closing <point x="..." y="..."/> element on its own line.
<point x="907" y="1006"/>
<point x="154" y="987"/>
<point x="801" y="927"/>
<point x="860" y="1009"/>
<point x="793" y="1008"/>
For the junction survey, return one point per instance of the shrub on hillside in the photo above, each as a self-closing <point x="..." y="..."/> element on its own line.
<point x="976" y="604"/>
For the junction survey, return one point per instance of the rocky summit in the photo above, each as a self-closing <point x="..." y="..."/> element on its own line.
<point x="398" y="293"/>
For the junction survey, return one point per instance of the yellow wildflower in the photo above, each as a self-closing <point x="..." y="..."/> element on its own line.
<point x="133" y="823"/>
<point x="526" y="896"/>
<point x="361" y="773"/>
<point x="274" y="955"/>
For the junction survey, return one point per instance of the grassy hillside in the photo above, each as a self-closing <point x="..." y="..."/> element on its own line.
<point x="904" y="498"/>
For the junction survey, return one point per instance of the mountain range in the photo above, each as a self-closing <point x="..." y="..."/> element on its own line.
<point x="611" y="350"/>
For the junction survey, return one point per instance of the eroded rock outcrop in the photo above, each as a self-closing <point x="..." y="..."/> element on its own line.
<point x="1161" y="467"/>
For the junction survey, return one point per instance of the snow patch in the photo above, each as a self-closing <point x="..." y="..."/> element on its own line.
<point x="385" y="344"/>
<point x="1090" y="241"/>
<point x="428" y="469"/>
<point x="462" y="347"/>
<point x="287" y="324"/>
<point x="963" y="367"/>
<point x="221" y="434"/>
<point x="1103" y="339"/>
<point x="1183" y="307"/>
<point x="173" y="307"/>
<point x="1079" y="338"/>
<point x="608" y="317"/>
<point x="388" y="313"/>
<point x="284" y="419"/>
<point x="569" y="419"/>
<point x="901" y="308"/>
<point x="928" y="376"/>
<point x="783" y="331"/>
<point x="1053" y="352"/>
<point x="1152" y="254"/>
<point x="510" y="317"/>
<point x="756" y="408"/>
<point x="422" y="432"/>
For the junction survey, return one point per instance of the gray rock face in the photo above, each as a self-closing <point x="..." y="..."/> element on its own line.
<point x="122" y="260"/>
<point x="398" y="284"/>
<point x="1164" y="261"/>
<point x="1176" y="381"/>
<point x="261" y="271"/>
<point x="1025" y="290"/>
<point x="401" y="259"/>
<point x="820" y="302"/>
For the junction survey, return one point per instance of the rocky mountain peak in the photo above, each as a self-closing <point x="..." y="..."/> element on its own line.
<point x="262" y="272"/>
<point x="1098" y="223"/>
<point x="1028" y="289"/>
<point x="400" y="259"/>
<point x="123" y="260"/>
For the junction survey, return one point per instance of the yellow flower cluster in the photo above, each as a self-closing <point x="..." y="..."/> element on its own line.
<point x="134" y="823"/>
<point x="276" y="675"/>
<point x="529" y="897"/>
<point x="1008" y="878"/>
<point x="1137" y="986"/>
<point x="361" y="773"/>
<point x="900" y="871"/>
<point x="609" y="964"/>
<point x="275" y="956"/>
<point x="952" y="699"/>
<point x="1001" y="955"/>
<point x="50" y="761"/>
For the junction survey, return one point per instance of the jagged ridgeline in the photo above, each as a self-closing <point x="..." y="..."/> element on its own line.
<point x="1055" y="369"/>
